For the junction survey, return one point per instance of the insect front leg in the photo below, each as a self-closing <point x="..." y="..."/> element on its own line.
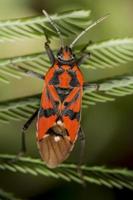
<point x="25" y="127"/>
<point x="85" y="55"/>
<point x="49" y="50"/>
<point x="82" y="59"/>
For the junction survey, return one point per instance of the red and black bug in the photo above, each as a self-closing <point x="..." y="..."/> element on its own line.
<point x="58" y="118"/>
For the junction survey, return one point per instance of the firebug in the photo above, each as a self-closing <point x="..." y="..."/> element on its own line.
<point x="58" y="117"/>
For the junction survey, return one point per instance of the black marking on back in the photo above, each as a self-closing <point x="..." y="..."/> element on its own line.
<point x="50" y="98"/>
<point x="46" y="112"/>
<point x="71" y="62"/>
<point x="74" y="82"/>
<point x="51" y="131"/>
<point x="67" y="104"/>
<point x="55" y="78"/>
<point x="63" y="92"/>
<point x="72" y="115"/>
<point x="47" y="93"/>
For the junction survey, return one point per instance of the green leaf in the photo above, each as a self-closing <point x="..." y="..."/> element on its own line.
<point x="109" y="89"/>
<point x="7" y="196"/>
<point x="107" y="54"/>
<point x="18" y="109"/>
<point x="22" y="108"/>
<point x="110" y="53"/>
<point x="100" y="175"/>
<point x="32" y="27"/>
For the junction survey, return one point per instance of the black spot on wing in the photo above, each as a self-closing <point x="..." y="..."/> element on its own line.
<point x="46" y="112"/>
<point x="72" y="115"/>
<point x="55" y="78"/>
<point x="74" y="82"/>
<point x="63" y="92"/>
<point x="66" y="103"/>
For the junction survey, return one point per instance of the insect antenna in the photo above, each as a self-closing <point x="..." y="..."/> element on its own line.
<point x="88" y="28"/>
<point x="55" y="26"/>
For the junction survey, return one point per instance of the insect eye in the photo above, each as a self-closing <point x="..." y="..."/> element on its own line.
<point x="59" y="55"/>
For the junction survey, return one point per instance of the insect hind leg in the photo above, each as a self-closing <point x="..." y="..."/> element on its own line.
<point x="82" y="147"/>
<point x="25" y="127"/>
<point x="23" y="135"/>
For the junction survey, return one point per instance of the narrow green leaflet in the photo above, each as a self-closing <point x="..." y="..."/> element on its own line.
<point x="104" y="55"/>
<point x="100" y="175"/>
<point x="70" y="22"/>
<point x="109" y="89"/>
<point x="110" y="53"/>
<point x="7" y="196"/>
<point x="18" y="109"/>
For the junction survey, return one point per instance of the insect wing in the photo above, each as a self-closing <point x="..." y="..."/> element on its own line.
<point x="71" y="116"/>
<point x="54" y="149"/>
<point x="46" y="116"/>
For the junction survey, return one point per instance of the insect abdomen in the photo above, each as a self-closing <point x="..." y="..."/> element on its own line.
<point x="54" y="147"/>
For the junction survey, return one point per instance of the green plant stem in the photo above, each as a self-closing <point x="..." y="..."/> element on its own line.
<point x="100" y="175"/>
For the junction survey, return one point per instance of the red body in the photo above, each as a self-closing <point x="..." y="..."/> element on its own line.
<point x="60" y="108"/>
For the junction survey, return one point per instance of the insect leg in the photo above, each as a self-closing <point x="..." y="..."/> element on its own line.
<point x="82" y="59"/>
<point x="25" y="127"/>
<point x="82" y="147"/>
<point x="49" y="50"/>
<point x="91" y="86"/>
<point x="29" y="72"/>
<point x="85" y="55"/>
<point x="87" y="45"/>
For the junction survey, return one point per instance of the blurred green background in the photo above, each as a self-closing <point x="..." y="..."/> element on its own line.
<point x="108" y="127"/>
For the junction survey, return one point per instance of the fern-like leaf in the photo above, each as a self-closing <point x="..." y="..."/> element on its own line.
<point x="110" y="53"/>
<point x="118" y="178"/>
<point x="70" y="22"/>
<point x="109" y="89"/>
<point x="19" y="109"/>
<point x="7" y="196"/>
<point x="104" y="55"/>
